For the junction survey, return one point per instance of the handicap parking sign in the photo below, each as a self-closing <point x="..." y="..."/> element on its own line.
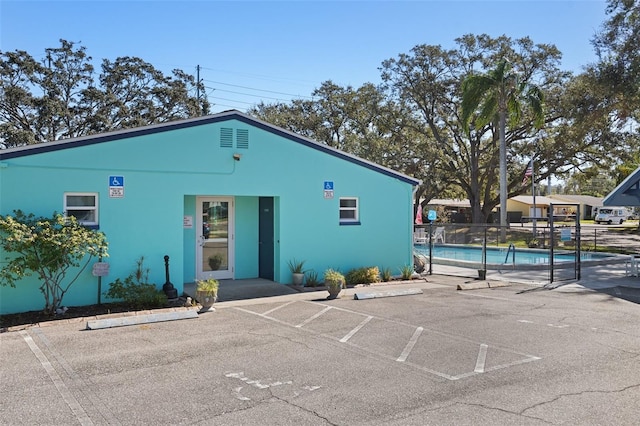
<point x="116" y="180"/>
<point x="116" y="186"/>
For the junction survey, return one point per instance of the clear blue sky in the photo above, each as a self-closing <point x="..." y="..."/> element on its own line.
<point x="276" y="50"/>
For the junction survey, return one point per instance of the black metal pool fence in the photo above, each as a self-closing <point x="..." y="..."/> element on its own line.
<point x="552" y="239"/>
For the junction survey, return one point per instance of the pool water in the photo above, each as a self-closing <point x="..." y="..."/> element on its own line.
<point x="498" y="255"/>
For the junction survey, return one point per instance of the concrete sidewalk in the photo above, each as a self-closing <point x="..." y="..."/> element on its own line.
<point x="598" y="278"/>
<point x="610" y="279"/>
<point x="254" y="291"/>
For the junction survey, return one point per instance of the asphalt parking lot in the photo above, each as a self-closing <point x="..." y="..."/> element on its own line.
<point x="506" y="355"/>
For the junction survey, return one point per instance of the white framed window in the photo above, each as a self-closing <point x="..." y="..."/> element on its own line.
<point x="83" y="206"/>
<point x="349" y="214"/>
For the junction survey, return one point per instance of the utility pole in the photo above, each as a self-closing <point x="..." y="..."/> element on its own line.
<point x="198" y="81"/>
<point x="51" y="136"/>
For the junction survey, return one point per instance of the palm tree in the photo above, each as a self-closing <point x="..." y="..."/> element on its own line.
<point x="499" y="94"/>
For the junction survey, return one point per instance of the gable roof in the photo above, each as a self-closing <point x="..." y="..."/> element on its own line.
<point x="627" y="193"/>
<point x="447" y="202"/>
<point x="40" y="148"/>
<point x="587" y="200"/>
<point x="528" y="199"/>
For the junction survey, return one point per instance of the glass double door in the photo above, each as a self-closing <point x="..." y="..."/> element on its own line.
<point x="214" y="249"/>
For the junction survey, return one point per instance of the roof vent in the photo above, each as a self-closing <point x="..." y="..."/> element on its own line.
<point x="242" y="139"/>
<point x="226" y="137"/>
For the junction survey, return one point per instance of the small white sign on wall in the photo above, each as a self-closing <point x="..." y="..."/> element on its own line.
<point x="100" y="269"/>
<point x="187" y="222"/>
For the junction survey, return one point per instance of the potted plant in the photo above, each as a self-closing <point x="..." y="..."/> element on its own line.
<point x="215" y="261"/>
<point x="207" y="293"/>
<point x="297" y="271"/>
<point x="334" y="281"/>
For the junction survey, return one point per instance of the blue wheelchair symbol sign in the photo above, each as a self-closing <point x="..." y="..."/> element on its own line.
<point x="431" y="215"/>
<point x="116" y="180"/>
<point x="328" y="185"/>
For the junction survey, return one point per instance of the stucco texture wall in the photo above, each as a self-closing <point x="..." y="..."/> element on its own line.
<point x="165" y="171"/>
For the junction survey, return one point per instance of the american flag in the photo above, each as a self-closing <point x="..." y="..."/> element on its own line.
<point x="528" y="173"/>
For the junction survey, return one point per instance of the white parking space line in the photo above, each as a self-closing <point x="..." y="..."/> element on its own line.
<point x="482" y="358"/>
<point x="62" y="388"/>
<point x="308" y="320"/>
<point x="410" y="345"/>
<point x="278" y="307"/>
<point x="483" y="296"/>
<point x="530" y="358"/>
<point x="350" y="334"/>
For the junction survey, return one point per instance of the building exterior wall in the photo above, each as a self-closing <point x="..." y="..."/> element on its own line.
<point x="516" y="206"/>
<point x="165" y="171"/>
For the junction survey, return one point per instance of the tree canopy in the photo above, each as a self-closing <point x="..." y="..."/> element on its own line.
<point x="415" y="121"/>
<point x="617" y="46"/>
<point x="499" y="94"/>
<point x="62" y="97"/>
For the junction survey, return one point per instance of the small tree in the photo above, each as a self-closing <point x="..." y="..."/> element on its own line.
<point x="50" y="248"/>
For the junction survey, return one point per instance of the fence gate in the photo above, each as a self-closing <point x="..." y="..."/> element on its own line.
<point x="564" y="265"/>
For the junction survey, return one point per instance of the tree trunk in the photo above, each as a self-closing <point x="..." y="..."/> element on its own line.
<point x="503" y="177"/>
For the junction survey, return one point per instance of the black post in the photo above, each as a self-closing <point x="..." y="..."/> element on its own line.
<point x="484" y="249"/>
<point x="430" y="247"/>
<point x="552" y="241"/>
<point x="99" y="281"/>
<point x="168" y="288"/>
<point x="578" y="244"/>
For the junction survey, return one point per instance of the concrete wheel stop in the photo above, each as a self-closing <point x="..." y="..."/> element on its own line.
<point x="390" y="293"/>
<point x="140" y="319"/>
<point x="481" y="284"/>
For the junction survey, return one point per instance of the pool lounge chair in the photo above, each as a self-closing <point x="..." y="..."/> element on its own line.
<point x="438" y="235"/>
<point x="420" y="236"/>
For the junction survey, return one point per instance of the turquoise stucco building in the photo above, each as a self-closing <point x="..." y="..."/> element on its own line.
<point x="225" y="196"/>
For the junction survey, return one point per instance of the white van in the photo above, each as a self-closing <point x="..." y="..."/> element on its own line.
<point x="611" y="215"/>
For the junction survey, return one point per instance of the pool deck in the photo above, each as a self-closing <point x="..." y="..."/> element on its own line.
<point x="588" y="258"/>
<point x="595" y="277"/>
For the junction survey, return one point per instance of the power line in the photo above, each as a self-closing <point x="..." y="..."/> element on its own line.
<point x="245" y="94"/>
<point x="233" y="100"/>
<point x="257" y="90"/>
<point x="260" y="76"/>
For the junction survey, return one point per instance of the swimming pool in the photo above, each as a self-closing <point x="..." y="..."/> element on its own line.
<point x="497" y="257"/>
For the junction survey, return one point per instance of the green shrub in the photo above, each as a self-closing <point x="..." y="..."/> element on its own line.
<point x="54" y="249"/>
<point x="406" y="272"/>
<point x="386" y="275"/>
<point x="135" y="291"/>
<point x="209" y="286"/>
<point x="334" y="279"/>
<point x="312" y="279"/>
<point x="365" y="275"/>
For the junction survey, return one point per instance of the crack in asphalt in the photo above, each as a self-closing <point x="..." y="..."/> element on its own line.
<point x="502" y="410"/>
<point x="301" y="408"/>
<point x="624" y="351"/>
<point x="558" y="397"/>
<point x="290" y="339"/>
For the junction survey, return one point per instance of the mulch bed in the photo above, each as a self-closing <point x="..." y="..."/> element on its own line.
<point x="25" y="319"/>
